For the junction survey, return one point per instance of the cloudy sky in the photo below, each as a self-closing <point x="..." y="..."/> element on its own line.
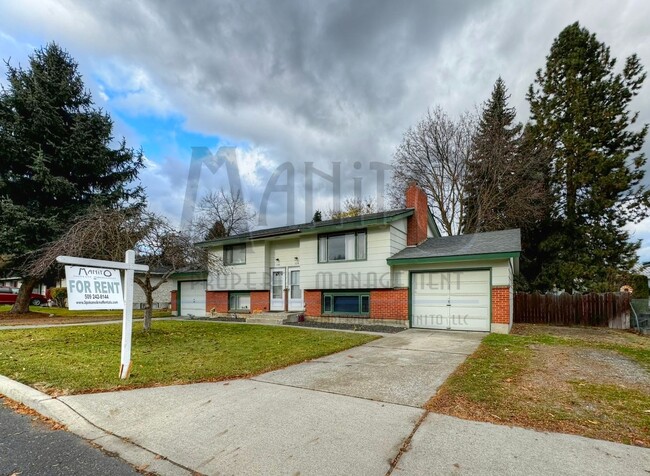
<point x="293" y="82"/>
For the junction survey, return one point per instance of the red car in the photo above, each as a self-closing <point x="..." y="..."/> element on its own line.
<point x="8" y="296"/>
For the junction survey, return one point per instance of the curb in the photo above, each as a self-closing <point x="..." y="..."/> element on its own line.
<point x="55" y="409"/>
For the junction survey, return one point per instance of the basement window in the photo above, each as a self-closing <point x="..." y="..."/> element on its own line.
<point x="239" y="302"/>
<point x="344" y="304"/>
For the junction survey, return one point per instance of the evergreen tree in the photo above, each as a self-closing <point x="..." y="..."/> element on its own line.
<point x="216" y="231"/>
<point x="580" y="111"/>
<point x="56" y="156"/>
<point x="494" y="154"/>
<point x="505" y="180"/>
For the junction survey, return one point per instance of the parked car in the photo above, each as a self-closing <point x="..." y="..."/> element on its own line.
<point x="8" y="296"/>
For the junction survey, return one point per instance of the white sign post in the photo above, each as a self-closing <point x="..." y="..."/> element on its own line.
<point x="92" y="285"/>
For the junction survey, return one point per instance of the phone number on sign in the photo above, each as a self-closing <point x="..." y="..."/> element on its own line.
<point x="96" y="296"/>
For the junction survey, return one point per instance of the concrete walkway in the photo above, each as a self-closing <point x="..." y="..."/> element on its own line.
<point x="357" y="412"/>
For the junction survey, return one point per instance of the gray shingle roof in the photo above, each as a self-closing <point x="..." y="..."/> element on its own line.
<point x="311" y="226"/>
<point x="504" y="241"/>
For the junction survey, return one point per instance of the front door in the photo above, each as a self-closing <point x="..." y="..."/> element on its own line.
<point x="295" y="292"/>
<point x="277" y="289"/>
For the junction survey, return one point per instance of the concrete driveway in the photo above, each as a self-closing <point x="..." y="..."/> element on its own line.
<point x="405" y="368"/>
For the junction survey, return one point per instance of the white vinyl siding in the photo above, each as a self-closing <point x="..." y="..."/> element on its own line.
<point x="253" y="275"/>
<point x="373" y="272"/>
<point x="283" y="253"/>
<point x="501" y="275"/>
<point x="397" y="236"/>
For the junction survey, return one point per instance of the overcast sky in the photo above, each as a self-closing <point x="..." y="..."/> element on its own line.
<point x="321" y="81"/>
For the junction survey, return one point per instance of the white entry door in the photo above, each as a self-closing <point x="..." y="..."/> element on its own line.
<point x="457" y="300"/>
<point x="277" y="289"/>
<point x="295" y="291"/>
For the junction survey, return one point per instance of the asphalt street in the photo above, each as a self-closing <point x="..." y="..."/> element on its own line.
<point x="29" y="447"/>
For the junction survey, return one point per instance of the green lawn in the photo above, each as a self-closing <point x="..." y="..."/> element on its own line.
<point x="592" y="382"/>
<point x="86" y="358"/>
<point x="64" y="312"/>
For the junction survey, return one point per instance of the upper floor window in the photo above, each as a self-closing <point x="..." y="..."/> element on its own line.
<point x="234" y="254"/>
<point x="342" y="247"/>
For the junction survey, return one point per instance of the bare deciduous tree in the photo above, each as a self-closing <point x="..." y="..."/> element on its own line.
<point x="433" y="154"/>
<point x="108" y="234"/>
<point x="354" y="207"/>
<point x="222" y="214"/>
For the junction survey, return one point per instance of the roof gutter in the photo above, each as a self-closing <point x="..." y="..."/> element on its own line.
<point x="453" y="258"/>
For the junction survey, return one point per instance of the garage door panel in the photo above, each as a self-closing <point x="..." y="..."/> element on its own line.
<point x="464" y="304"/>
<point x="193" y="298"/>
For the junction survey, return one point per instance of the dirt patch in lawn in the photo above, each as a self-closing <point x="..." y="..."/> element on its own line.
<point x="590" y="382"/>
<point x="562" y="366"/>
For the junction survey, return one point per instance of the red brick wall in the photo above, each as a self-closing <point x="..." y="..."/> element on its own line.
<point x="384" y="303"/>
<point x="217" y="300"/>
<point x="417" y="224"/>
<point x="313" y="303"/>
<point x="389" y="304"/>
<point x="174" y="301"/>
<point x="501" y="304"/>
<point x="260" y="300"/>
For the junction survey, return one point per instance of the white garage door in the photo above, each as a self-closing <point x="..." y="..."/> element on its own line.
<point x="193" y="298"/>
<point x="458" y="300"/>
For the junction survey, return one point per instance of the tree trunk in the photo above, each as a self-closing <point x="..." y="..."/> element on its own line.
<point x="21" y="306"/>
<point x="148" y="309"/>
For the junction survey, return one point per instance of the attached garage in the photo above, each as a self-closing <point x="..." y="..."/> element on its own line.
<point x="454" y="300"/>
<point x="192" y="298"/>
<point x="461" y="282"/>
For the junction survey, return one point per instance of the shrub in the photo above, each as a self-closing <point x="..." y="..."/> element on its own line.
<point x="59" y="295"/>
<point x="639" y="283"/>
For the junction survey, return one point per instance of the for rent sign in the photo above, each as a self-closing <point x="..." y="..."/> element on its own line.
<point x="94" y="288"/>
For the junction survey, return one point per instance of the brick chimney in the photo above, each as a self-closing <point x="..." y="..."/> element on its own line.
<point x="416" y="224"/>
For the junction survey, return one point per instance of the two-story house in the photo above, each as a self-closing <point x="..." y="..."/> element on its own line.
<point x="391" y="267"/>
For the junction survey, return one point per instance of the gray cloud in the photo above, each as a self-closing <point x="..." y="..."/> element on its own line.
<point x="329" y="80"/>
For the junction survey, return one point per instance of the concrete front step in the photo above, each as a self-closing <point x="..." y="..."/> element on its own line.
<point x="273" y="318"/>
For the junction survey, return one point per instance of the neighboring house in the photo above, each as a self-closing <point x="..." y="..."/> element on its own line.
<point x="17" y="282"/>
<point x="391" y="268"/>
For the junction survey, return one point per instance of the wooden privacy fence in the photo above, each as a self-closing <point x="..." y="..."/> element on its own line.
<point x="606" y="309"/>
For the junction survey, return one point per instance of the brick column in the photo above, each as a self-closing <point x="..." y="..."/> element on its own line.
<point x="173" y="299"/>
<point x="501" y="315"/>
<point x="313" y="301"/>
